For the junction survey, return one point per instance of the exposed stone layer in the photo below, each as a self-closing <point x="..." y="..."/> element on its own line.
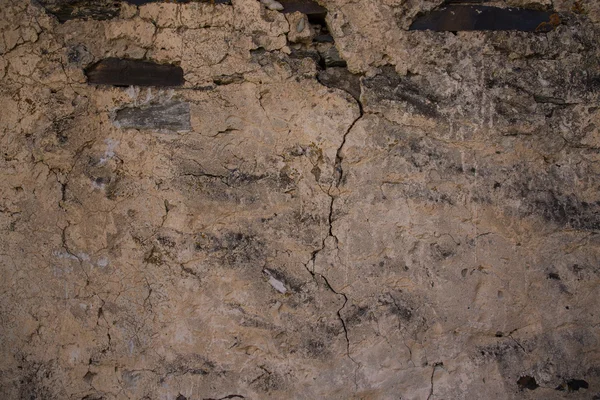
<point x="423" y="227"/>
<point x="169" y="116"/>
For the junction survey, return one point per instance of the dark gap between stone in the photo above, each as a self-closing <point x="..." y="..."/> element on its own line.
<point x="332" y="68"/>
<point x="576" y="384"/>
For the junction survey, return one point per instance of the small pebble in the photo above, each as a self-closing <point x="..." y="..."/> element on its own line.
<point x="277" y="6"/>
<point x="300" y="26"/>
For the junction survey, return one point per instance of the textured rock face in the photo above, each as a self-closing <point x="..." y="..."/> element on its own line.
<point x="170" y="116"/>
<point x="350" y="211"/>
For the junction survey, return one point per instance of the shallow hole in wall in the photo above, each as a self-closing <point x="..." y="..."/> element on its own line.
<point x="527" y="382"/>
<point x="573" y="385"/>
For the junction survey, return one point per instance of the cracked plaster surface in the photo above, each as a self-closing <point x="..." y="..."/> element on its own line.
<point x="437" y="239"/>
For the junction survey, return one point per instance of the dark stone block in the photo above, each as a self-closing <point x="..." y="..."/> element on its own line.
<point x="467" y="1"/>
<point x="141" y="2"/>
<point x="125" y="72"/>
<point x="65" y="10"/>
<point x="484" y="18"/>
<point x="172" y="116"/>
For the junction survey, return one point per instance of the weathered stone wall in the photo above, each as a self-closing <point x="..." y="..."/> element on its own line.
<point x="325" y="207"/>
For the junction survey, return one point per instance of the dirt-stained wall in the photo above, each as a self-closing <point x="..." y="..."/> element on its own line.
<point x="321" y="205"/>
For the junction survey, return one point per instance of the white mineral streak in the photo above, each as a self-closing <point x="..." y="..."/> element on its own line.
<point x="272" y="5"/>
<point x="277" y="285"/>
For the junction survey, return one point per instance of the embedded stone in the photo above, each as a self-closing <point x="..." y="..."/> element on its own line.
<point x="127" y="72"/>
<point x="171" y="116"/>
<point x="484" y="18"/>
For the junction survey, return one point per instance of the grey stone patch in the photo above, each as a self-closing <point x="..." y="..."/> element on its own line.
<point x="79" y="55"/>
<point x="331" y="57"/>
<point x="65" y="10"/>
<point x="232" y="249"/>
<point x="167" y="117"/>
<point x="564" y="210"/>
<point x="341" y="78"/>
<point x="391" y="87"/>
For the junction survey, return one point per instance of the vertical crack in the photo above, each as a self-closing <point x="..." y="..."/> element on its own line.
<point x="338" y="176"/>
<point x="68" y="250"/>
<point x="516" y="341"/>
<point x="103" y="316"/>
<point x="339" y="311"/>
<point x="330" y="220"/>
<point x="338" y="169"/>
<point x="435" y="366"/>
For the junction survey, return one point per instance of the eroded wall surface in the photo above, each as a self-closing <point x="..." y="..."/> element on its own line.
<point x="412" y="216"/>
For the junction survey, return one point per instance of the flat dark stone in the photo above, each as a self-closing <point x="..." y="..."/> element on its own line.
<point x="455" y="18"/>
<point x="172" y="116"/>
<point x="126" y="72"/>
<point x="467" y="1"/>
<point x="141" y="2"/>
<point x="65" y="10"/>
